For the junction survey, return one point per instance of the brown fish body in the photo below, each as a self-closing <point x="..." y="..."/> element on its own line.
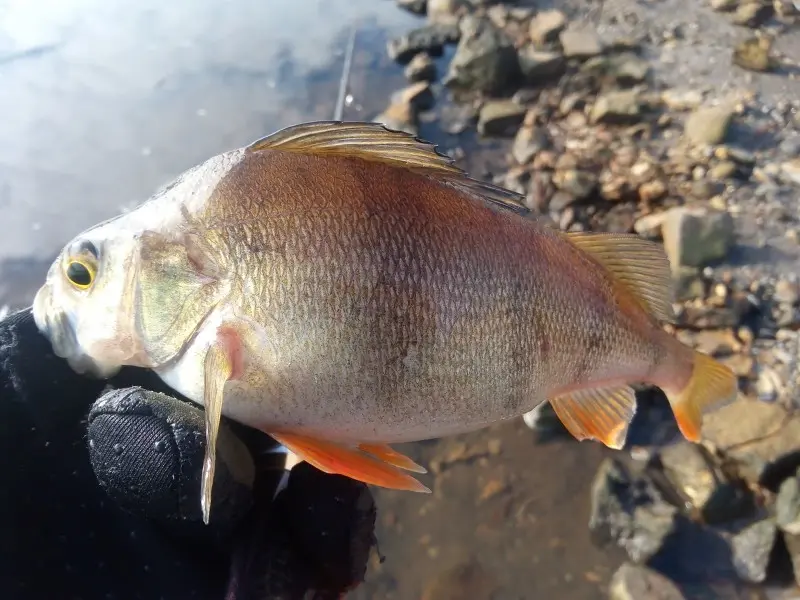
<point x="341" y="287"/>
<point x="397" y="309"/>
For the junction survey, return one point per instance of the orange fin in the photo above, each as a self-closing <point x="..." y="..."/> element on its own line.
<point x="711" y="386"/>
<point x="388" y="455"/>
<point x="602" y="414"/>
<point x="334" y="458"/>
<point x="639" y="265"/>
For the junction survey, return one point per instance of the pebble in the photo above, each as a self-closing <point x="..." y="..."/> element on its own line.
<point x="546" y="26"/>
<point x="616" y="107"/>
<point x="636" y="582"/>
<point x="528" y="142"/>
<point x="580" y="43"/>
<point x="787" y="505"/>
<point x="695" y="237"/>
<point x="500" y="118"/>
<point x="709" y="125"/>
<point x="751" y="549"/>
<point x="540" y="66"/>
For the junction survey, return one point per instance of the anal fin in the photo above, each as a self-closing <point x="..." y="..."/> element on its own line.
<point x="334" y="458"/>
<point x="601" y="414"/>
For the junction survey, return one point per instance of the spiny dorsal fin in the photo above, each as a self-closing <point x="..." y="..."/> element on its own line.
<point x="375" y="142"/>
<point x="640" y="265"/>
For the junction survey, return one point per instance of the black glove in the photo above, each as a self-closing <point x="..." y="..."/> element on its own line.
<point x="139" y="533"/>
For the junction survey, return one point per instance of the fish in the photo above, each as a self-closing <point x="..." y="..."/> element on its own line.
<point x="344" y="287"/>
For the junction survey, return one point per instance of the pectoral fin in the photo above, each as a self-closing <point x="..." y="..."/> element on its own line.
<point x="223" y="362"/>
<point x="329" y="457"/>
<point x="602" y="414"/>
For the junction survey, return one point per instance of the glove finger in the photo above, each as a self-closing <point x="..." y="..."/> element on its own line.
<point x="147" y="451"/>
<point x="317" y="536"/>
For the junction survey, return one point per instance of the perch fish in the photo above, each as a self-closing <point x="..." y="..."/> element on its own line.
<point x="343" y="287"/>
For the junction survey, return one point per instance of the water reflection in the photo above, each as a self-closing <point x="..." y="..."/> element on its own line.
<point x="104" y="101"/>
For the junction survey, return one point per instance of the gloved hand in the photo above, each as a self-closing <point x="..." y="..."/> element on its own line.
<point x="101" y="498"/>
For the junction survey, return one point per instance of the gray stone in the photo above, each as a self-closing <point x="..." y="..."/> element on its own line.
<point x="787" y="506"/>
<point x="696" y="237"/>
<point x="625" y="69"/>
<point x="419" y="96"/>
<point x="709" y="125"/>
<point x="751" y="549"/>
<point x="793" y="547"/>
<point x="430" y="38"/>
<point x="544" y="420"/>
<point x="752" y="14"/>
<point x="790" y="171"/>
<point x="528" y="142"/>
<point x="421" y="68"/>
<point x="635" y="582"/>
<point x="580" y="43"/>
<point x="485" y="59"/>
<point x="628" y="509"/>
<point x="575" y="182"/>
<point x="445" y="11"/>
<point x="418" y="7"/>
<point x="616" y="107"/>
<point x="546" y="26"/>
<point x="723" y="170"/>
<point x="500" y="117"/>
<point x="540" y="66"/>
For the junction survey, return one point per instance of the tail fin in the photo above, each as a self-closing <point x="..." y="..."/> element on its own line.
<point x="711" y="385"/>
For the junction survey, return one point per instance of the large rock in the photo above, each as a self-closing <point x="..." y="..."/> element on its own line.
<point x="485" y="59"/>
<point x="430" y="38"/>
<point x="540" y="66"/>
<point x="751" y="549"/>
<point x="696" y="236"/>
<point x="635" y="582"/>
<point x="628" y="509"/>
<point x="709" y="125"/>
<point x="500" y="117"/>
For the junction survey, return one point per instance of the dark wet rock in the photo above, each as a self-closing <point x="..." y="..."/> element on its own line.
<point x="421" y="68"/>
<point x="528" y="142"/>
<point x="546" y="26"/>
<point x="751" y="549"/>
<point x="485" y="59"/>
<point x="465" y="580"/>
<point x="580" y="43"/>
<point x="713" y="498"/>
<point x="628" y="509"/>
<point x="616" y="107"/>
<point x="753" y="13"/>
<point x="696" y="237"/>
<point x="500" y="117"/>
<point x="418" y="7"/>
<point x="709" y="125"/>
<point x="787" y="505"/>
<point x="540" y="66"/>
<point x="635" y="582"/>
<point x="753" y="54"/>
<point x="430" y="38"/>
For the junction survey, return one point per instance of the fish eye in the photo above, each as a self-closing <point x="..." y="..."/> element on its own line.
<point x="80" y="274"/>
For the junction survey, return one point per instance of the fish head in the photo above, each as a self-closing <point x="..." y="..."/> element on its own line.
<point x="86" y="305"/>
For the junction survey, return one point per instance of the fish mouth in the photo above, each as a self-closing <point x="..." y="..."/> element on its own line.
<point x="59" y="328"/>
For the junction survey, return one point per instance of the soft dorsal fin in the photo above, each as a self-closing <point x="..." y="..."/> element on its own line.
<point x="375" y="142"/>
<point x="640" y="265"/>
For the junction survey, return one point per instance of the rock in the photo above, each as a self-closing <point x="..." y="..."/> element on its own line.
<point x="787" y="292"/>
<point x="500" y="117"/>
<point x="696" y="237"/>
<point x="649" y="226"/>
<point x="709" y="125"/>
<point x="528" y="142"/>
<point x="650" y="191"/>
<point x="787" y="505"/>
<point x="418" y="96"/>
<point x="625" y="69"/>
<point x="418" y="7"/>
<point x="577" y="183"/>
<point x="635" y="582"/>
<point x="543" y="419"/>
<point x="682" y="99"/>
<point x="580" y="43"/>
<point x="754" y="436"/>
<point x="430" y="38"/>
<point x="724" y="5"/>
<point x="790" y="171"/>
<point x="540" y="66"/>
<point x="616" y="107"/>
<point x="723" y="170"/>
<point x="627" y="508"/>
<point x="689" y="283"/>
<point x="752" y="14"/>
<point x="485" y="59"/>
<point x="546" y="26"/>
<point x="400" y="117"/>
<point x="421" y="68"/>
<point x="753" y="54"/>
<point x="712" y="497"/>
<point x="751" y="549"/>
<point x="445" y="11"/>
